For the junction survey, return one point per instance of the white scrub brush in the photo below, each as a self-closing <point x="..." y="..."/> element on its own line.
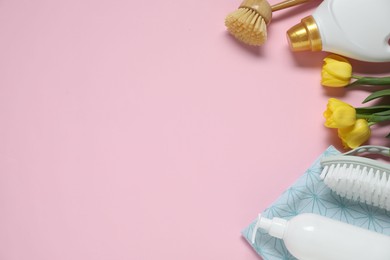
<point x="359" y="178"/>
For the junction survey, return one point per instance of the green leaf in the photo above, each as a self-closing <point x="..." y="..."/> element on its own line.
<point x="377" y="94"/>
<point x="383" y="113"/>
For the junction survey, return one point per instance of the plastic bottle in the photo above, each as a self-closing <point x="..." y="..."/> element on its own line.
<point x="358" y="29"/>
<point x="313" y="237"/>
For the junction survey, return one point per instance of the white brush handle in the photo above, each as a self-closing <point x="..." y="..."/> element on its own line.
<point x="356" y="161"/>
<point x="373" y="149"/>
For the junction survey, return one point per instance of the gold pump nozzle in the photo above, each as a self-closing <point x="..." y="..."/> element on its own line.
<point x="305" y="36"/>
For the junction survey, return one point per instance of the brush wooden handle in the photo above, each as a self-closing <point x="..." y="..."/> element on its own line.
<point x="286" y="4"/>
<point x="262" y="7"/>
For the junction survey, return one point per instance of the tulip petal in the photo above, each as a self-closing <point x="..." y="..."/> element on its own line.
<point x="336" y="71"/>
<point x="340" y="70"/>
<point x="335" y="58"/>
<point x="355" y="135"/>
<point x="339" y="114"/>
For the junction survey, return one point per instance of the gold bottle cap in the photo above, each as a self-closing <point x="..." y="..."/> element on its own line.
<point x="305" y="36"/>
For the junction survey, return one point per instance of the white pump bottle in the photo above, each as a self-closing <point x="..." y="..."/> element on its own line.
<point x="313" y="237"/>
<point x="358" y="29"/>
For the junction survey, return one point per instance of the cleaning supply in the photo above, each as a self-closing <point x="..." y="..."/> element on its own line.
<point x="310" y="236"/>
<point x="358" y="178"/>
<point x="249" y="22"/>
<point x="357" y="29"/>
<point x="309" y="194"/>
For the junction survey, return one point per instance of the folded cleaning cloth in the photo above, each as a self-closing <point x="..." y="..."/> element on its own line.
<point x="310" y="195"/>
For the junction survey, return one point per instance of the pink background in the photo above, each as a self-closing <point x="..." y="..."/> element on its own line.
<point x="142" y="130"/>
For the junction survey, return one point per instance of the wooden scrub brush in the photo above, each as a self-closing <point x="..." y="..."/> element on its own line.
<point x="249" y="22"/>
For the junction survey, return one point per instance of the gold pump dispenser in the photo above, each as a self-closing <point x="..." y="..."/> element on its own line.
<point x="305" y="36"/>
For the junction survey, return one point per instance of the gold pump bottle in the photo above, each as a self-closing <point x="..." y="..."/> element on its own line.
<point x="357" y="29"/>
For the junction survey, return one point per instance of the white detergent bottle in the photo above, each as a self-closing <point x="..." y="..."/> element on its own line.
<point x="358" y="29"/>
<point x="313" y="237"/>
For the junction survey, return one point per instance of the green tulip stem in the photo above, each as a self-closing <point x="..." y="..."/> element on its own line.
<point x="356" y="77"/>
<point x="379" y="81"/>
<point x="373" y="118"/>
<point x="363" y="116"/>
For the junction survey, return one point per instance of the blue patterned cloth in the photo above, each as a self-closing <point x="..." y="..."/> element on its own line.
<point x="310" y="195"/>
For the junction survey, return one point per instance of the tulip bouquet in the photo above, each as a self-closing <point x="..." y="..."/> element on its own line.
<point x="353" y="123"/>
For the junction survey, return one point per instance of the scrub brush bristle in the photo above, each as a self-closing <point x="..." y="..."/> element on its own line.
<point x="359" y="178"/>
<point x="249" y="22"/>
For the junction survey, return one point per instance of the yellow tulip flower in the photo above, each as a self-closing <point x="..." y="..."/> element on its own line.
<point x="339" y="114"/>
<point x="336" y="71"/>
<point x="355" y="135"/>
